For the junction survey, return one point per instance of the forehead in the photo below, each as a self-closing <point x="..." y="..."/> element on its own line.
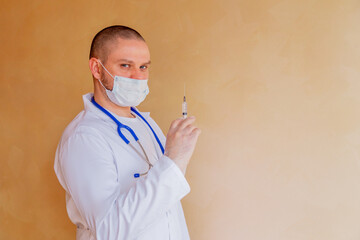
<point x="131" y="49"/>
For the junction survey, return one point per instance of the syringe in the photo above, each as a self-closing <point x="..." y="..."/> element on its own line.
<point x="184" y="106"/>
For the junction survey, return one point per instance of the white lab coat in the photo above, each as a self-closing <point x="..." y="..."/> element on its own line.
<point x="103" y="199"/>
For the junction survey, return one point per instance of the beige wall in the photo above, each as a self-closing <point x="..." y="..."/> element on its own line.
<point x="275" y="86"/>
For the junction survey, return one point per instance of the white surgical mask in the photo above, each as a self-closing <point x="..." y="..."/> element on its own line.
<point x="126" y="92"/>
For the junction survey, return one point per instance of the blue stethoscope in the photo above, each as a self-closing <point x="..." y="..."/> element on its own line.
<point x="120" y="126"/>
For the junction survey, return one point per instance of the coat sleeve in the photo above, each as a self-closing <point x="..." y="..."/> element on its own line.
<point x="90" y="175"/>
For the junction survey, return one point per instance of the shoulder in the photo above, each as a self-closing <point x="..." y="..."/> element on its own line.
<point x="85" y="123"/>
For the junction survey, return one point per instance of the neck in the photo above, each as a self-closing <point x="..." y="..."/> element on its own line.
<point x="102" y="99"/>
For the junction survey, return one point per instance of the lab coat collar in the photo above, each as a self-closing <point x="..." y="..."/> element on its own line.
<point x="89" y="107"/>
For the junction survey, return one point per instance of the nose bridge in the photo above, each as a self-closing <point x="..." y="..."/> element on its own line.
<point x="136" y="73"/>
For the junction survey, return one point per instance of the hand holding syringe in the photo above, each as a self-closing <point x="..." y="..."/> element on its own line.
<point x="181" y="139"/>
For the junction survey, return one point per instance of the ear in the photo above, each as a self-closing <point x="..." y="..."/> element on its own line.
<point x="94" y="67"/>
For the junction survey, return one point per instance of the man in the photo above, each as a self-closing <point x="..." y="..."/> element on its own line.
<point x="116" y="187"/>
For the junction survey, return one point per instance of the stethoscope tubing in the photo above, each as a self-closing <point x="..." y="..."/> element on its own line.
<point x="120" y="125"/>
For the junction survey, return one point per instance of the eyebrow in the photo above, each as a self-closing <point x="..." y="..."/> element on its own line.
<point x="129" y="61"/>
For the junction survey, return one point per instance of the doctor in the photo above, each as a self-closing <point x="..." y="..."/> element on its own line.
<point x="117" y="187"/>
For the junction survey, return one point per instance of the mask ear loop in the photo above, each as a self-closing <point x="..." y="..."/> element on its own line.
<point x="105" y="69"/>
<point x="103" y="85"/>
<point x="107" y="72"/>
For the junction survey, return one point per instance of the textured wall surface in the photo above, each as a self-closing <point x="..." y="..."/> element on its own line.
<point x="274" y="85"/>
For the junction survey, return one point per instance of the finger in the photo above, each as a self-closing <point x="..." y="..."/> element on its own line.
<point x="196" y="132"/>
<point x="189" y="129"/>
<point x="175" y="123"/>
<point x="186" y="122"/>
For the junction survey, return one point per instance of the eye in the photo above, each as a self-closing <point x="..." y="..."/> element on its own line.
<point x="143" y="67"/>
<point x="125" y="65"/>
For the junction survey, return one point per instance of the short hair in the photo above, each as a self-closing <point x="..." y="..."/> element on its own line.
<point x="99" y="48"/>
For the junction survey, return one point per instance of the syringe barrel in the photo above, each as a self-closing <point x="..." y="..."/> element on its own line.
<point x="184" y="109"/>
